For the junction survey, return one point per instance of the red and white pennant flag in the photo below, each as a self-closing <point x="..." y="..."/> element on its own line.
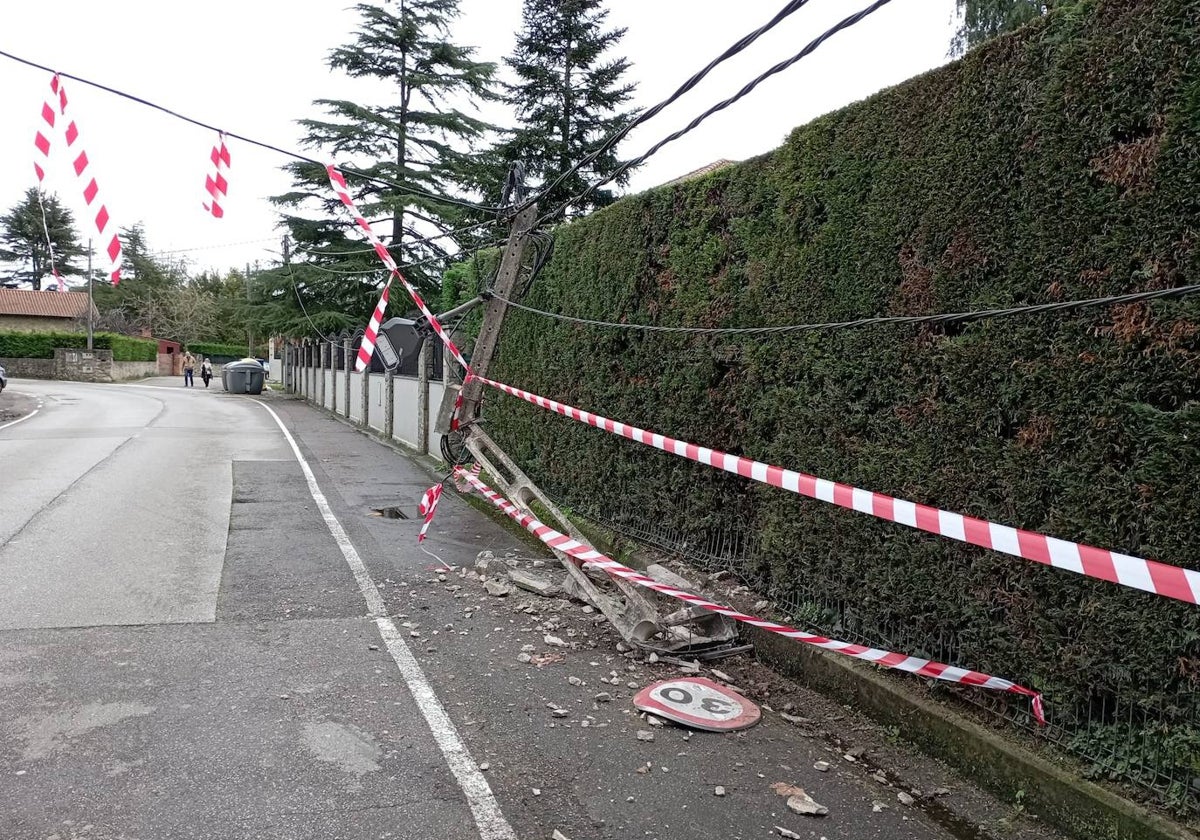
<point x="216" y="184"/>
<point x="427" y="508"/>
<point x="367" y="348"/>
<point x="80" y="163"/>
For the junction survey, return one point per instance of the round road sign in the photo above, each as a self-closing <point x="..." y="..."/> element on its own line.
<point x="699" y="703"/>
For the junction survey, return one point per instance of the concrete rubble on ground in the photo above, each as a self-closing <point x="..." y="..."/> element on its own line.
<point x="798" y="800"/>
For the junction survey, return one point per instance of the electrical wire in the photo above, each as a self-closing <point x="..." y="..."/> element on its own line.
<point x="845" y="23"/>
<point x="250" y="140"/>
<point x="303" y="308"/>
<point x="944" y="318"/>
<point x="215" y="247"/>
<point x="421" y="241"/>
<point x="616" y="137"/>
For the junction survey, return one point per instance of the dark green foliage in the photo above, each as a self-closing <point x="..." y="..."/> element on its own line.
<point x="40" y="345"/>
<point x="567" y="97"/>
<point x="224" y="351"/>
<point x="1059" y="162"/>
<point x="982" y="20"/>
<point x="418" y="139"/>
<point x="23" y="232"/>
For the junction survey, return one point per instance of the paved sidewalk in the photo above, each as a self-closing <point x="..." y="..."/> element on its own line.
<point x="586" y="774"/>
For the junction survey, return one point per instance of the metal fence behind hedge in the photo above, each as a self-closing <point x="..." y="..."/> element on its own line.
<point x="1153" y="749"/>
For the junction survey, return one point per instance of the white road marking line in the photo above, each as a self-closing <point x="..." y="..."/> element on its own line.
<point x="23" y="419"/>
<point x="484" y="807"/>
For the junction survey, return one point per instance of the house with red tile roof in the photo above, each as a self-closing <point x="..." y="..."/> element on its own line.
<point x="31" y="311"/>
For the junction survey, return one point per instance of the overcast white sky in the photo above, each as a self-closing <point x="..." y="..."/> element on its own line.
<point x="254" y="67"/>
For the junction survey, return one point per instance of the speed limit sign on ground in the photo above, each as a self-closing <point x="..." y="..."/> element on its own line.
<point x="699" y="703"/>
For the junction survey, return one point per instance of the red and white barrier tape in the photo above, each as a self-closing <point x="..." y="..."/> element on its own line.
<point x="42" y="140"/>
<point x="338" y="182"/>
<point x="887" y="659"/>
<point x="428" y="507"/>
<point x="1135" y="572"/>
<point x="91" y="191"/>
<point x="217" y="185"/>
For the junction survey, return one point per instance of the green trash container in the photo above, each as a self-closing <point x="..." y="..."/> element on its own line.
<point x="244" y="377"/>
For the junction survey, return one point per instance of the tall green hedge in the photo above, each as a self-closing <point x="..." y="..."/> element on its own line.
<point x="222" y="351"/>
<point x="1060" y="162"/>
<point x="40" y="345"/>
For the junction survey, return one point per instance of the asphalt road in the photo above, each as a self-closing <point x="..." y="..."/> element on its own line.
<point x="205" y="633"/>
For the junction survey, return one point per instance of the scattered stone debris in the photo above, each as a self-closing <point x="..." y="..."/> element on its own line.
<point x="880" y="777"/>
<point x="372" y="647"/>
<point x="719" y="790"/>
<point x="524" y="658"/>
<point x="553" y="641"/>
<point x="558" y="835"/>
<point x="603" y="697"/>
<point x="498" y="588"/>
<point x="662" y="574"/>
<point x="795" y="719"/>
<point x="798" y="800"/>
<point x="787" y="835"/>
<point x="645" y="735"/>
<point x="535" y="583"/>
<point x="878" y="806"/>
<point x="940" y="791"/>
<point x="821" y="766"/>
<point x="905" y="798"/>
<point x="485" y="766"/>
<point x="574" y="681"/>
<point x="561" y="713"/>
<point x="651" y="720"/>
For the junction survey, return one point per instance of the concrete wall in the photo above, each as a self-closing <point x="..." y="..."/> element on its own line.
<point x="436" y="389"/>
<point x="356" y="386"/>
<point x="378" y="390"/>
<point x="320" y="386"/>
<point x="327" y="387"/>
<point x="32" y="323"/>
<point x="122" y="371"/>
<point x="29" y="368"/>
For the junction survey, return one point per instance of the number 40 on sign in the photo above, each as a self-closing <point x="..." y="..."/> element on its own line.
<point x="699" y="703"/>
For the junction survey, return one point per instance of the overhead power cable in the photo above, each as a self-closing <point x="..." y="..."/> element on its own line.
<point x="616" y="137"/>
<point x="944" y="318"/>
<point x="845" y="23"/>
<point x="250" y="140"/>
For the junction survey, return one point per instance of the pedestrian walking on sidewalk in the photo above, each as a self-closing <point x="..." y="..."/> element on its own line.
<point x="189" y="368"/>
<point x="206" y="372"/>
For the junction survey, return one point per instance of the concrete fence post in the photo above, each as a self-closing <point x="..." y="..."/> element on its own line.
<point x="424" y="366"/>
<point x="346" y="370"/>
<point x="366" y="397"/>
<point x="389" y="404"/>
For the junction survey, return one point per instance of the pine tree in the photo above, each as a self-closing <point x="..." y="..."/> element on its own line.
<point x="420" y="140"/>
<point x="567" y="97"/>
<point x="983" y="20"/>
<point x="23" y="232"/>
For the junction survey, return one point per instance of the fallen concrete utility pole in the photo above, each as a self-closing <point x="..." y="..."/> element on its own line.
<point x="632" y="613"/>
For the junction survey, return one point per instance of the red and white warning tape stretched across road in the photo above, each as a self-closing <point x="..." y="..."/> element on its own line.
<point x="1136" y="572"/>
<point x="428" y="507"/>
<point x="588" y="555"/>
<point x="91" y="191"/>
<point x="338" y="182"/>
<point x="217" y="185"/>
<point x="50" y="117"/>
<point x="42" y="142"/>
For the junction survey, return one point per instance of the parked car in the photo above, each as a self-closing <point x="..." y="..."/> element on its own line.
<point x="3" y="379"/>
